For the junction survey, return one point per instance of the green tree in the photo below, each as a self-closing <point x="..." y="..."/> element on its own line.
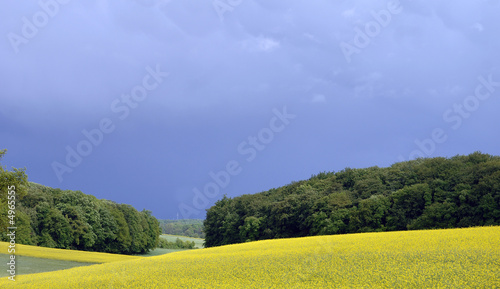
<point x="460" y="191"/>
<point x="152" y="229"/>
<point x="121" y="243"/>
<point x="436" y="216"/>
<point x="408" y="204"/>
<point x="249" y="231"/>
<point x="105" y="241"/>
<point x="370" y="214"/>
<point x="221" y="224"/>
<point x="10" y="181"/>
<point x="55" y="228"/>
<point x="135" y="226"/>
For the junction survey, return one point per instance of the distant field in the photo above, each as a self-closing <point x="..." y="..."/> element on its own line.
<point x="161" y="251"/>
<point x="453" y="258"/>
<point x="33" y="259"/>
<point x="30" y="265"/>
<point x="171" y="238"/>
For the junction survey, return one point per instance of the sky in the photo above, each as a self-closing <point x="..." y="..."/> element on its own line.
<point x="168" y="105"/>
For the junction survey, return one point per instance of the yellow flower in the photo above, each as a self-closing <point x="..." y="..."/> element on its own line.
<point x="453" y="258"/>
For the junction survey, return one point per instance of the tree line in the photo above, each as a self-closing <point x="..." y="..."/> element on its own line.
<point x="178" y="244"/>
<point x="67" y="219"/>
<point x="186" y="227"/>
<point x="431" y="193"/>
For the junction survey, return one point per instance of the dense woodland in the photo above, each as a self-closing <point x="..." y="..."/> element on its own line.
<point x="55" y="218"/>
<point x="178" y="244"/>
<point x="461" y="191"/>
<point x="187" y="227"/>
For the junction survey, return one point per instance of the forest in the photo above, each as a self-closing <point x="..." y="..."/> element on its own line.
<point x="184" y="227"/>
<point x="426" y="193"/>
<point x="67" y="219"/>
<point x="178" y="244"/>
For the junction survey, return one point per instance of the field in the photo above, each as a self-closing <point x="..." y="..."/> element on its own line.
<point x="161" y="251"/>
<point x="453" y="258"/>
<point x="171" y="238"/>
<point x="32" y="259"/>
<point x="65" y="255"/>
<point x="30" y="265"/>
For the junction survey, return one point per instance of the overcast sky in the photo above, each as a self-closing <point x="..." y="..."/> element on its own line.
<point x="168" y="105"/>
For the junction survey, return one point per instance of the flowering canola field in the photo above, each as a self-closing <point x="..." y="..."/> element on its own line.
<point x="452" y="258"/>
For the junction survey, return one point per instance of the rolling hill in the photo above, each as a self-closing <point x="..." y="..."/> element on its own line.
<point x="449" y="258"/>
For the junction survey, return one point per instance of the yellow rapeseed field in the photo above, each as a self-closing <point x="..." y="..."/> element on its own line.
<point x="66" y="255"/>
<point x="454" y="258"/>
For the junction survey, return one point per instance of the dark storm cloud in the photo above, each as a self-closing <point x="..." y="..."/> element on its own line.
<point x="230" y="63"/>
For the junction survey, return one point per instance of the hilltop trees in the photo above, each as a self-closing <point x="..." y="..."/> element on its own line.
<point x="73" y="220"/>
<point x="461" y="191"/>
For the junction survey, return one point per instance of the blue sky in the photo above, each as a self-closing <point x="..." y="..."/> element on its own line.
<point x="168" y="105"/>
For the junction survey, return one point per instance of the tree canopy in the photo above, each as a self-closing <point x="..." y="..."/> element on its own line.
<point x="185" y="227"/>
<point x="73" y="220"/>
<point x="431" y="193"/>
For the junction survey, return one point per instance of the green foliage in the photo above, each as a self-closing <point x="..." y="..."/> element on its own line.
<point x="406" y="204"/>
<point x="461" y="191"/>
<point x="198" y="243"/>
<point x="178" y="244"/>
<point x="187" y="227"/>
<point x="73" y="220"/>
<point x="249" y="231"/>
<point x="152" y="230"/>
<point x="15" y="180"/>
